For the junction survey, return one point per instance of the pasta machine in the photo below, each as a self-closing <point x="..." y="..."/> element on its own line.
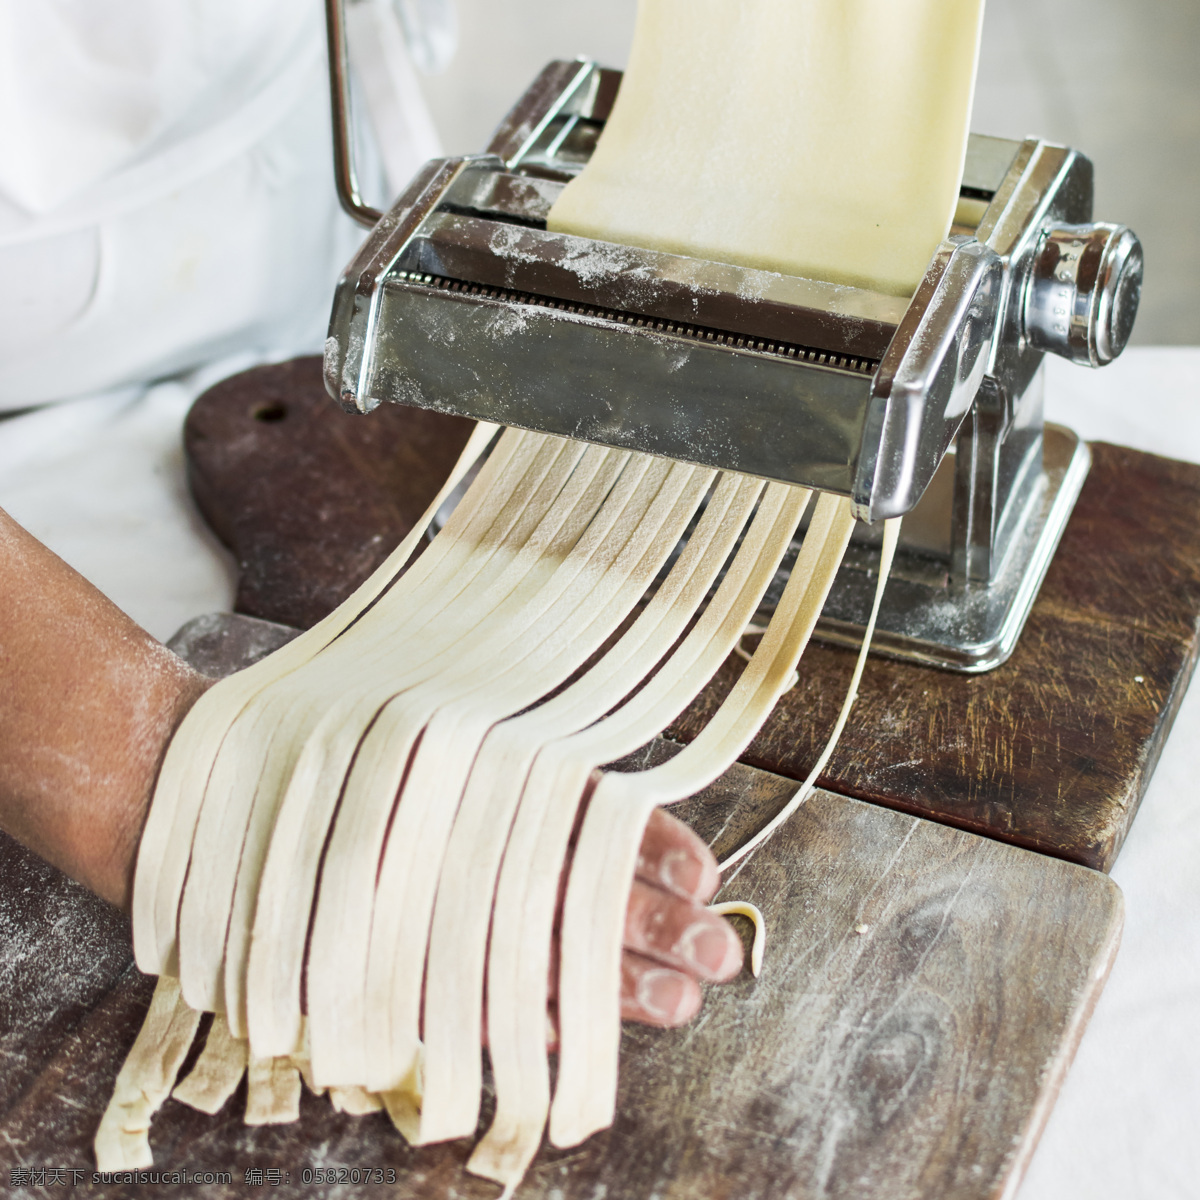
<point x="461" y="301"/>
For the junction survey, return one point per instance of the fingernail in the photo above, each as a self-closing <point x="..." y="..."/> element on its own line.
<point x="680" y="871"/>
<point x="662" y="993"/>
<point x="708" y="946"/>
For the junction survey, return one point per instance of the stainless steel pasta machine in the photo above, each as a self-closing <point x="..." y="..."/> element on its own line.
<point x="461" y="301"/>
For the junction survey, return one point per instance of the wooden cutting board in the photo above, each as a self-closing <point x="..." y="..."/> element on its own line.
<point x="310" y="499"/>
<point x="923" y="993"/>
<point x="922" y="997"/>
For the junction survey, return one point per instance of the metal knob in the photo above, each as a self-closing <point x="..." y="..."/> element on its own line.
<point x="1082" y="294"/>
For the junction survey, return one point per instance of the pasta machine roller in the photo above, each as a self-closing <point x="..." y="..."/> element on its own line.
<point x="461" y="301"/>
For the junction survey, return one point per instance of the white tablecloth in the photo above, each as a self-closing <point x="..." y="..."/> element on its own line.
<point x="101" y="482"/>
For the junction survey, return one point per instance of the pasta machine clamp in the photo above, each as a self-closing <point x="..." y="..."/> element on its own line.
<point x="461" y="301"/>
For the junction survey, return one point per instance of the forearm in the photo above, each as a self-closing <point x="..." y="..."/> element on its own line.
<point x="88" y="704"/>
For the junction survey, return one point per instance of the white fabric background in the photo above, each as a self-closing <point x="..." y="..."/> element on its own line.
<point x="1127" y="1125"/>
<point x="162" y="162"/>
<point x="166" y="187"/>
<point x="101" y="482"/>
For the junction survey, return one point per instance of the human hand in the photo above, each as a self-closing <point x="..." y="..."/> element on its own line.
<point x="672" y="943"/>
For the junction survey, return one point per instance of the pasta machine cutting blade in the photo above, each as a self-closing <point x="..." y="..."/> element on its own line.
<point x="461" y="301"/>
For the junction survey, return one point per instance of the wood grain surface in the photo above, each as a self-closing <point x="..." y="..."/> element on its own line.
<point x="1054" y="749"/>
<point x="1051" y="751"/>
<point x="922" y="996"/>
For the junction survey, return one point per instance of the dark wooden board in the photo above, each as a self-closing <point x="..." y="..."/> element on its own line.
<point x="309" y="498"/>
<point x="923" y="994"/>
<point x="62" y="951"/>
<point x="1052" y="751"/>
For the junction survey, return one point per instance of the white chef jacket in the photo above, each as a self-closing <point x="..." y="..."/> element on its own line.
<point x="166" y="191"/>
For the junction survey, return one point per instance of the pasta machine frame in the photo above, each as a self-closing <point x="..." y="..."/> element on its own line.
<point x="461" y="301"/>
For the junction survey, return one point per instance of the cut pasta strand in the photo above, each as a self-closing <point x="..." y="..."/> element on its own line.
<point x="146" y="1079"/>
<point x="217" y="1072"/>
<point x="743" y="908"/>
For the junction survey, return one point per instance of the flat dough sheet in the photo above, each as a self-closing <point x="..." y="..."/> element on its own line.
<point x="838" y="156"/>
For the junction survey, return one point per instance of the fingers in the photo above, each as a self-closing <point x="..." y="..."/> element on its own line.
<point x="680" y="934"/>
<point x="674" y="858"/>
<point x="671" y="942"/>
<point x="656" y="995"/>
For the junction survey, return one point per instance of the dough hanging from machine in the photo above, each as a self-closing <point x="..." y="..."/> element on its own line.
<point x="815" y="137"/>
<point x="820" y="138"/>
